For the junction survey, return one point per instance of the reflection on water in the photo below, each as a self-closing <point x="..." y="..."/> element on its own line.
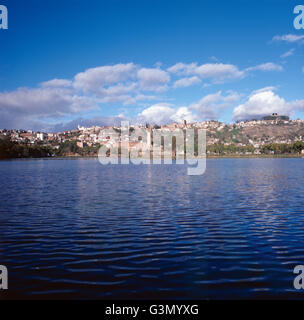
<point x="77" y="229"/>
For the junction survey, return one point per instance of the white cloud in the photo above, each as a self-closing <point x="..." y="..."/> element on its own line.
<point x="129" y="84"/>
<point x="95" y="79"/>
<point x="113" y="82"/>
<point x="264" y="102"/>
<point x="118" y="89"/>
<point x="184" y="113"/>
<point x="289" y="38"/>
<point x="118" y="93"/>
<point x="186" y="82"/>
<point x="183" y="68"/>
<point x="269" y="88"/>
<point x="57" y="83"/>
<point x="218" y="72"/>
<point x="207" y="108"/>
<point x="141" y="97"/>
<point x="288" y="53"/>
<point x="159" y="113"/>
<point x="46" y="102"/>
<point x="124" y="99"/>
<point x="151" y="79"/>
<point x="211" y="105"/>
<point x="24" y="107"/>
<point x="164" y="113"/>
<point x="269" y="66"/>
<point x="208" y="100"/>
<point x="121" y="82"/>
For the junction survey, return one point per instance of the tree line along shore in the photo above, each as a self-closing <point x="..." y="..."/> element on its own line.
<point x="13" y="150"/>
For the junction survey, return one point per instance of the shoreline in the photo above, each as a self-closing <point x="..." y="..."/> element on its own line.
<point x="227" y="156"/>
<point x="256" y="156"/>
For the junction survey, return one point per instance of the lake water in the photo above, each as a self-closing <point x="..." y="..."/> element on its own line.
<point x="77" y="229"/>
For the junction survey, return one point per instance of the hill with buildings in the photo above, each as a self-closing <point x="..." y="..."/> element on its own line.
<point x="273" y="134"/>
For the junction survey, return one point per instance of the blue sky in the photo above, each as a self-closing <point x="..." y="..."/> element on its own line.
<point x="67" y="62"/>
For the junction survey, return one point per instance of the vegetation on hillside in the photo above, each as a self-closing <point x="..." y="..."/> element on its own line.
<point x="70" y="148"/>
<point x="283" y="148"/>
<point x="219" y="148"/>
<point x="10" y="150"/>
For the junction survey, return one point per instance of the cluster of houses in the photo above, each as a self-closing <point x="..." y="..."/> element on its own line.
<point x="90" y="136"/>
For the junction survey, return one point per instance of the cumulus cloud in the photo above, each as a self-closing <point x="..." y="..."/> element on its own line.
<point x="184" y="113"/>
<point x="153" y="79"/>
<point x="264" y="102"/>
<point x="126" y="84"/>
<point x="209" y="107"/>
<point x="186" y="82"/>
<point x="95" y="79"/>
<point x="122" y="83"/>
<point x="289" y="38"/>
<point x="163" y="113"/>
<point x="269" y="66"/>
<point x="183" y="68"/>
<point x="118" y="93"/>
<point x="158" y="113"/>
<point x="26" y="107"/>
<point x="44" y="102"/>
<point x="217" y="72"/>
<point x="118" y="90"/>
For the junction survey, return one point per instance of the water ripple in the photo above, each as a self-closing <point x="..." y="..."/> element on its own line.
<point x="76" y="229"/>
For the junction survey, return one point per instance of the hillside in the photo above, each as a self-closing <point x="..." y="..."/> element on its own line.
<point x="256" y="133"/>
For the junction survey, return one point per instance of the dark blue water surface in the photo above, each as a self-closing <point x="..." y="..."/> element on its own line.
<point x="78" y="229"/>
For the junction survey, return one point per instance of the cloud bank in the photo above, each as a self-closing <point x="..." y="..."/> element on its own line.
<point x="264" y="102"/>
<point x="128" y="85"/>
